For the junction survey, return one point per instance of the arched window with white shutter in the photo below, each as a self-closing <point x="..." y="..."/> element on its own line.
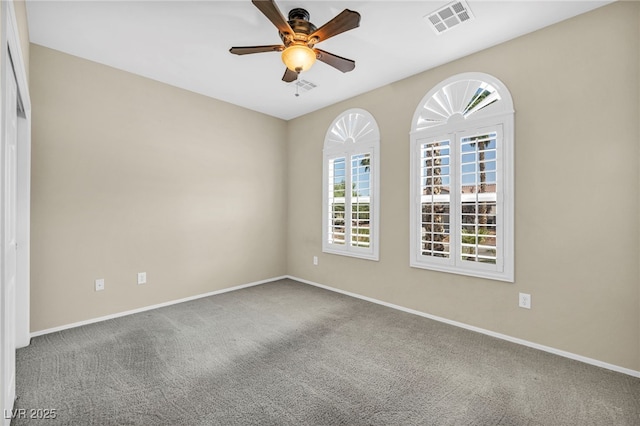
<point x="462" y="178"/>
<point x="351" y="171"/>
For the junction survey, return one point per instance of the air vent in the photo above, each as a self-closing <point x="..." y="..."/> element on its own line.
<point x="449" y="16"/>
<point x="305" y="85"/>
<point x="300" y="86"/>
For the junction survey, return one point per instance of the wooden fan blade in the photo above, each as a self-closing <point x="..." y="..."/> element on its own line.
<point x="345" y="21"/>
<point x="338" y="62"/>
<point x="271" y="11"/>
<point x="289" y="76"/>
<point x="246" y="50"/>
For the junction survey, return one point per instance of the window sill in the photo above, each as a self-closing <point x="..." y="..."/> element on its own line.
<point x="486" y="274"/>
<point x="365" y="256"/>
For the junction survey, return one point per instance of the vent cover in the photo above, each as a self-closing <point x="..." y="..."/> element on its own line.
<point x="300" y="85"/>
<point x="305" y="85"/>
<point x="449" y="16"/>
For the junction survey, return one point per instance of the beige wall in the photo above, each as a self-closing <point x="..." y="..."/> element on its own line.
<point x="575" y="89"/>
<point x="131" y="175"/>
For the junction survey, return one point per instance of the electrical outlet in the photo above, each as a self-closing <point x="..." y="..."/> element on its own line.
<point x="142" y="277"/>
<point x="315" y="260"/>
<point x="524" y="300"/>
<point x="100" y="284"/>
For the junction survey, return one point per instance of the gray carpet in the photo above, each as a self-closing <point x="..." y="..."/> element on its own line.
<point x="286" y="353"/>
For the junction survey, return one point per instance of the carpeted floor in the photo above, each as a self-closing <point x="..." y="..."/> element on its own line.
<point x="286" y="353"/>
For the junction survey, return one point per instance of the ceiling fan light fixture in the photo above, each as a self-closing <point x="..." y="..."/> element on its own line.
<point x="299" y="38"/>
<point x="298" y="57"/>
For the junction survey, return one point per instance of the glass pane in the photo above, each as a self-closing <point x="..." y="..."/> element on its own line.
<point x="435" y="193"/>
<point x="360" y="199"/>
<point x="361" y="174"/>
<point x="336" y="202"/>
<point x="337" y="180"/>
<point x="478" y="198"/>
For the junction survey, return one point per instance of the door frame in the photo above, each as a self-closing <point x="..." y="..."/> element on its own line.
<point x="10" y="49"/>
<point x="11" y="53"/>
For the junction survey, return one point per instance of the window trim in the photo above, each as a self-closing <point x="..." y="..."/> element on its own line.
<point x="353" y="132"/>
<point x="498" y="116"/>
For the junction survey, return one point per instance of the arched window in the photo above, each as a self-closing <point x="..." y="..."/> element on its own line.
<point x="350" y="186"/>
<point x="462" y="180"/>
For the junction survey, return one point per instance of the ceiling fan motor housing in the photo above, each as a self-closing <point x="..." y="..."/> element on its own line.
<point x="299" y="22"/>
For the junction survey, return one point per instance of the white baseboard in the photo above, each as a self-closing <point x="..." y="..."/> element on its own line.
<point x="549" y="349"/>
<point x="148" y="308"/>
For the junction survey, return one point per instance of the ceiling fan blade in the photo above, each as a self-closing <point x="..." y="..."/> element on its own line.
<point x="246" y="50"/>
<point x="338" y="62"/>
<point x="345" y="21"/>
<point x="289" y="76"/>
<point x="271" y="11"/>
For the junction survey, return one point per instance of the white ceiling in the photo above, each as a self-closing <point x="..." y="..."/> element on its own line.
<point x="186" y="43"/>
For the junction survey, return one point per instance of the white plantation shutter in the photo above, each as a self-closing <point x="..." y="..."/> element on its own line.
<point x="360" y="200"/>
<point x="478" y="198"/>
<point x="337" y="201"/>
<point x="462" y="178"/>
<point x="350" y="186"/>
<point x="435" y="199"/>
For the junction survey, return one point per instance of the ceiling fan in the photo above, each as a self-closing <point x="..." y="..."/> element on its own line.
<point x="299" y="37"/>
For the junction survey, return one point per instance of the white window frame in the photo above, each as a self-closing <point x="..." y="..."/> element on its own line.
<point x="440" y="114"/>
<point x="353" y="132"/>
